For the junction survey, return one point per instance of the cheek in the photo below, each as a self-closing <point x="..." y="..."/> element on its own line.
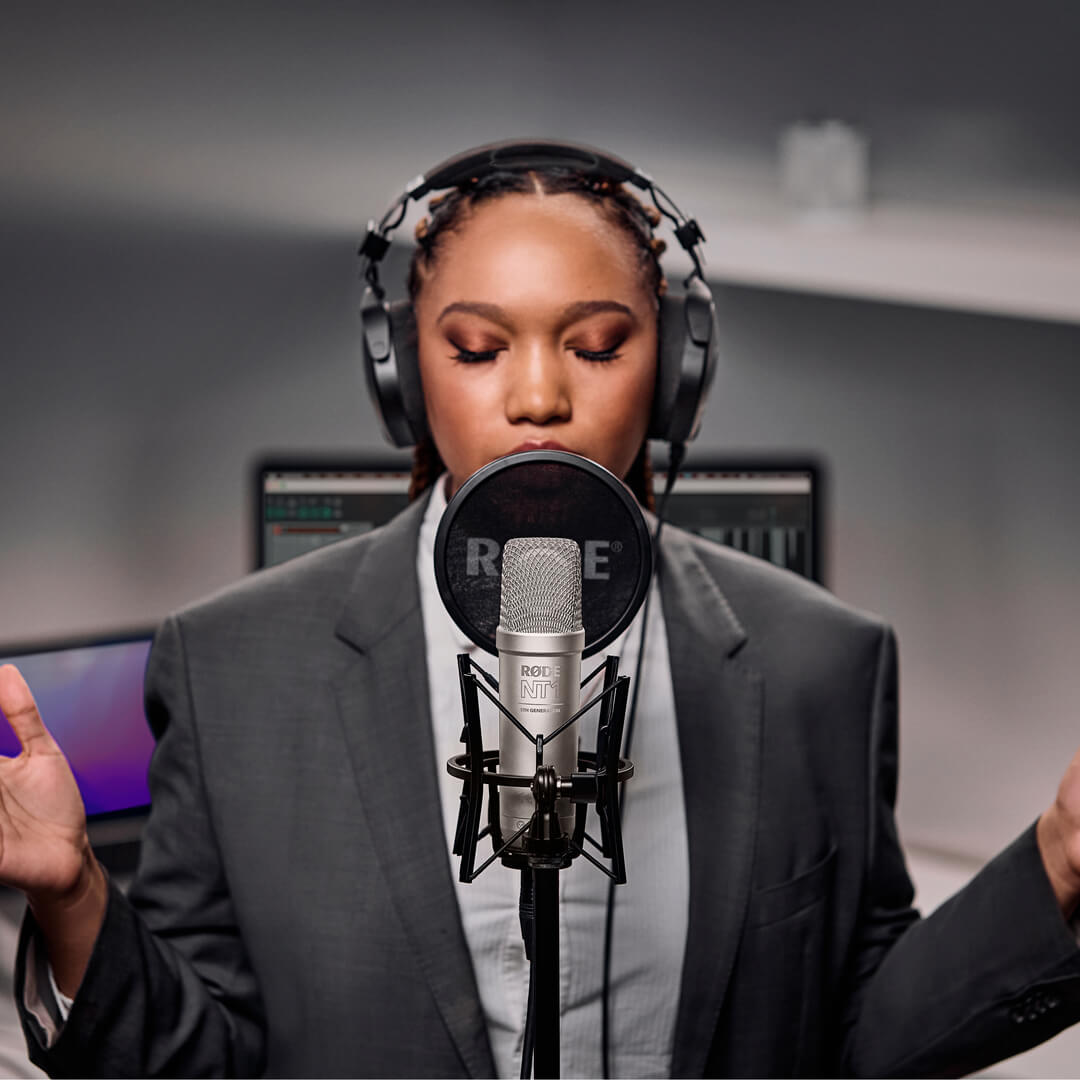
<point x="460" y="406"/>
<point x="618" y="419"/>
<point x="626" y="400"/>
<point x="461" y="389"/>
<point x="446" y="407"/>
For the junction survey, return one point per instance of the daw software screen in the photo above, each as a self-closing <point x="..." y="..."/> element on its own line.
<point x="769" y="511"/>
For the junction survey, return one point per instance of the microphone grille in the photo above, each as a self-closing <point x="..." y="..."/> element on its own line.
<point x="541" y="585"/>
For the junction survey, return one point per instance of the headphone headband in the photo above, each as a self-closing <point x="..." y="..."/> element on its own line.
<point x="521" y="155"/>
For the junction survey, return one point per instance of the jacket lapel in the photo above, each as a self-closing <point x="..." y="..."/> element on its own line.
<point x="718" y="705"/>
<point x="384" y="708"/>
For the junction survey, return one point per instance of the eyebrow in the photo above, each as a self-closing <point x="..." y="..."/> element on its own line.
<point x="570" y="314"/>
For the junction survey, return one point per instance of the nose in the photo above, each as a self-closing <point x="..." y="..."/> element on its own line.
<point x="538" y="389"/>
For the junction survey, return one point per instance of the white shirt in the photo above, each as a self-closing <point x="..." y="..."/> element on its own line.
<point x="651" y="910"/>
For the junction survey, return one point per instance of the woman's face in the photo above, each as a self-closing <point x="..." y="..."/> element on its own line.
<point x="536" y="331"/>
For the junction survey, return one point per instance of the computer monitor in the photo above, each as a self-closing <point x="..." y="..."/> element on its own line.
<point x="768" y="509"/>
<point x="304" y="505"/>
<point x="771" y="511"/>
<point x="90" y="694"/>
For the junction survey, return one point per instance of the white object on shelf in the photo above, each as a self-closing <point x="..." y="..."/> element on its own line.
<point x="824" y="170"/>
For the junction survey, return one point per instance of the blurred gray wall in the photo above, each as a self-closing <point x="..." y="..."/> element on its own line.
<point x="182" y="188"/>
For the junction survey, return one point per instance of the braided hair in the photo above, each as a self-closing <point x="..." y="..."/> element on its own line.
<point x="448" y="212"/>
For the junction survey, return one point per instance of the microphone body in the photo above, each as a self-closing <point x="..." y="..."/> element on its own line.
<point x="540" y="683"/>
<point x="539" y="640"/>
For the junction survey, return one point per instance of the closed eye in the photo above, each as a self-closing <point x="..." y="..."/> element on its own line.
<point x="470" y="356"/>
<point x="599" y="356"/>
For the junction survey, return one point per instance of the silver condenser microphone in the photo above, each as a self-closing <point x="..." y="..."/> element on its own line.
<point x="539" y="639"/>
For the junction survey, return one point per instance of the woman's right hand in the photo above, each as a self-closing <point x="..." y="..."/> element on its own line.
<point x="42" y="821"/>
<point x="44" y="848"/>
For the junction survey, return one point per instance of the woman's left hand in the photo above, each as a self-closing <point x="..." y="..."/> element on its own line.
<point x="1058" y="833"/>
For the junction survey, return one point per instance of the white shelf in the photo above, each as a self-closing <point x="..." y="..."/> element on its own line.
<point x="1021" y="262"/>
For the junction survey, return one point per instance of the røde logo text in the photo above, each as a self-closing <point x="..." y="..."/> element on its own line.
<point x="540" y="671"/>
<point x="481" y="553"/>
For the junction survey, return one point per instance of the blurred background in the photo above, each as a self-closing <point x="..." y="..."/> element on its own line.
<point x="183" y="186"/>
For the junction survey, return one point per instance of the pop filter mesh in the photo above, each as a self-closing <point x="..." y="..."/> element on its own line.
<point x="550" y="494"/>
<point x="541" y="586"/>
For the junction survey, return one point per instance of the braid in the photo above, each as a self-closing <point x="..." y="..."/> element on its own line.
<point x="427" y="467"/>
<point x="640" y="478"/>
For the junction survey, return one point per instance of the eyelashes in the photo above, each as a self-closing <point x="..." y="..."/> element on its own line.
<point x="468" y="356"/>
<point x="600" y="356"/>
<point x="481" y="356"/>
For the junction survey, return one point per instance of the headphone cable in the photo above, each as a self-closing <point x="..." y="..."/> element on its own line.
<point x="676" y="453"/>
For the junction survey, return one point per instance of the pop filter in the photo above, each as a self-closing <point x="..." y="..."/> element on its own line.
<point x="543" y="493"/>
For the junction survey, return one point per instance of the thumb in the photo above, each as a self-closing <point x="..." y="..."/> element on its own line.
<point x="18" y="705"/>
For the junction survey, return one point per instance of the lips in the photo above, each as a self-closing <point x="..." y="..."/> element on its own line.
<point x="540" y="444"/>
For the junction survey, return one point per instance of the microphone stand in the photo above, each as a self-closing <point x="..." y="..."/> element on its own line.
<point x="540" y="849"/>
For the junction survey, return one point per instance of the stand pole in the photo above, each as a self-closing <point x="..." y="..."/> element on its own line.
<point x="546" y="975"/>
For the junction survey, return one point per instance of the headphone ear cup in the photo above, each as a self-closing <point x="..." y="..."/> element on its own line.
<point x="406" y="349"/>
<point x="672" y="336"/>
<point x="689" y="348"/>
<point x="392" y="370"/>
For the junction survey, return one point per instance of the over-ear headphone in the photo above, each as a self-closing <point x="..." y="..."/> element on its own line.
<point x="689" y="342"/>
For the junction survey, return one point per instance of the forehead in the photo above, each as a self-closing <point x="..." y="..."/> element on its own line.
<point x="562" y="244"/>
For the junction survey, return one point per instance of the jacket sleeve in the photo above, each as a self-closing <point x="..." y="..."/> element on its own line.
<point x="993" y="971"/>
<point x="169" y="989"/>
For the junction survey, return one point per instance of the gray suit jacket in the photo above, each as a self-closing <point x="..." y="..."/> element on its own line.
<point x="294" y="910"/>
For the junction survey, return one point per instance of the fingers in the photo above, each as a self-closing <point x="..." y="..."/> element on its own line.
<point x="18" y="705"/>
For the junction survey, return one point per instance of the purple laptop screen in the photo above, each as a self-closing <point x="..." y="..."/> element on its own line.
<point x="90" y="698"/>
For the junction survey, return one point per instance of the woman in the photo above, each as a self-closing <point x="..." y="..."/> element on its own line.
<point x="294" y="909"/>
